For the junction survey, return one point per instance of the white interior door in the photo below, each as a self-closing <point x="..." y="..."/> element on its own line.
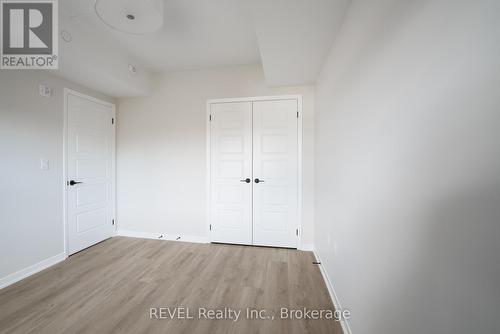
<point x="231" y="172"/>
<point x="90" y="171"/>
<point x="275" y="173"/>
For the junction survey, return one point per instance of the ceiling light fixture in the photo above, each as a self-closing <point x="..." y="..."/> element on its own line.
<point x="131" y="16"/>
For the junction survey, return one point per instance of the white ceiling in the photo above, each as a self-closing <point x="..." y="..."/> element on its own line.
<point x="291" y="38"/>
<point x="196" y="34"/>
<point x="295" y="37"/>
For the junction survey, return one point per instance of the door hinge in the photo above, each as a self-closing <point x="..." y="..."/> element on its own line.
<point x="210" y="227"/>
<point x="210" y="118"/>
<point x="297" y="232"/>
<point x="112" y="121"/>
<point x="297" y="114"/>
<point x="112" y="222"/>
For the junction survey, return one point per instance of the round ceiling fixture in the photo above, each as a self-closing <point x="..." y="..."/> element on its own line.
<point x="131" y="16"/>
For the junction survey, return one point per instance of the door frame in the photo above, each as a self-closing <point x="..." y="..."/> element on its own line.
<point x="66" y="93"/>
<point x="297" y="97"/>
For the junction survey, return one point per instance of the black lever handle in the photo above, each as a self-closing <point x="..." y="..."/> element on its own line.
<point x="258" y="181"/>
<point x="73" y="182"/>
<point x="247" y="180"/>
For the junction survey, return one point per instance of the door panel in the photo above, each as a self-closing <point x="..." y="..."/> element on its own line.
<point x="231" y="162"/>
<point x="275" y="159"/>
<point x="90" y="161"/>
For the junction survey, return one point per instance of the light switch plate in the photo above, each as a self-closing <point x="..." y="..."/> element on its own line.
<point x="44" y="164"/>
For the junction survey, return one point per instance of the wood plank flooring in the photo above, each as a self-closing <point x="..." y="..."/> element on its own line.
<point x="110" y="288"/>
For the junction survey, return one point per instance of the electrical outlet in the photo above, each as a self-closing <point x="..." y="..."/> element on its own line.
<point x="44" y="91"/>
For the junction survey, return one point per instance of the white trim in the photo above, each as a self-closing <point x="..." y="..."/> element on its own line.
<point x="64" y="176"/>
<point x="88" y="97"/>
<point x="256" y="98"/>
<point x="33" y="269"/>
<point x="209" y="172"/>
<point x="67" y="92"/>
<point x="306" y="247"/>
<point x="165" y="236"/>
<point x="299" y="170"/>
<point x="297" y="97"/>
<point x="333" y="295"/>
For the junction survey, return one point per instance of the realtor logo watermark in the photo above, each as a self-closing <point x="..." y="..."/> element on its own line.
<point x="29" y="34"/>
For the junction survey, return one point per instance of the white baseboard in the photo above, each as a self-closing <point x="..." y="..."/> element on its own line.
<point x="33" y="269"/>
<point x="164" y="236"/>
<point x="336" y="303"/>
<point x="307" y="247"/>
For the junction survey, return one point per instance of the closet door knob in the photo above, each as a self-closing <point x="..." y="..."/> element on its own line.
<point x="258" y="181"/>
<point x="247" y="180"/>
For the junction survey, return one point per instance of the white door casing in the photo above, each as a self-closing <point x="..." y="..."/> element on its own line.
<point x="275" y="169"/>
<point x="90" y="147"/>
<point x="268" y="212"/>
<point x="231" y="165"/>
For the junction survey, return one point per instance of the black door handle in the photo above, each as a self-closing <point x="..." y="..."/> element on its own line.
<point x="73" y="182"/>
<point x="247" y="180"/>
<point x="258" y="181"/>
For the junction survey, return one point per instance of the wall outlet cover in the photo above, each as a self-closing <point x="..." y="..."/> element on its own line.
<point x="44" y="91"/>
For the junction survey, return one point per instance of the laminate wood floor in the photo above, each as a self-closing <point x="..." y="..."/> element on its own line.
<point x="112" y="286"/>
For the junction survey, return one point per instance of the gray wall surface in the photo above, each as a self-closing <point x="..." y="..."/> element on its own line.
<point x="31" y="199"/>
<point x="407" y="168"/>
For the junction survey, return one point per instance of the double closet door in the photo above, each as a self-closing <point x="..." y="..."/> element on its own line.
<point x="254" y="173"/>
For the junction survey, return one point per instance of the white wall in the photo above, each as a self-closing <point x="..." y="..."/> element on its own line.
<point x="408" y="166"/>
<point x="31" y="128"/>
<point x="162" y="149"/>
